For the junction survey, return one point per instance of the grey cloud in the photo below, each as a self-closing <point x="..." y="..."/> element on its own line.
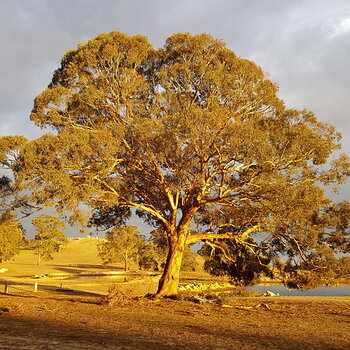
<point x="296" y="42"/>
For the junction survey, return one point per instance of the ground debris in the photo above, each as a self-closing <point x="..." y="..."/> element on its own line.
<point x="45" y="308"/>
<point x="119" y="297"/>
<point x="262" y="306"/>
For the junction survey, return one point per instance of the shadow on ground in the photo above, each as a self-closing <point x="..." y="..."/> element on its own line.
<point x="25" y="286"/>
<point x="55" y="322"/>
<point x="25" y="333"/>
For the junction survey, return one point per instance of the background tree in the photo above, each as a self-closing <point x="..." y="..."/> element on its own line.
<point x="121" y="243"/>
<point x="189" y="260"/>
<point x="49" y="237"/>
<point x="191" y="136"/>
<point x="150" y="257"/>
<point x="11" y="237"/>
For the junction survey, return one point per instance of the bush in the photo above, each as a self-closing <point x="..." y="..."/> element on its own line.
<point x="148" y="263"/>
<point x="119" y="297"/>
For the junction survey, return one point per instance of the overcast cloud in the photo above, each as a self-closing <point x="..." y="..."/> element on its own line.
<point x="304" y="45"/>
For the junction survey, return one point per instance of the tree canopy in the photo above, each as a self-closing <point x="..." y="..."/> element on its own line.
<point x="191" y="136"/>
<point x="12" y="199"/>
<point x="121" y="243"/>
<point x="11" y="237"/>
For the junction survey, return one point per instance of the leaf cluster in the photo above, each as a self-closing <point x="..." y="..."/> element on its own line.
<point x="11" y="237"/>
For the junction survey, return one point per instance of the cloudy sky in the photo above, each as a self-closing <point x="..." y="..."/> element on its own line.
<point x="303" y="45"/>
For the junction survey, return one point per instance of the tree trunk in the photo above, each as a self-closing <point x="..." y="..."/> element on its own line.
<point x="125" y="263"/>
<point x="169" y="282"/>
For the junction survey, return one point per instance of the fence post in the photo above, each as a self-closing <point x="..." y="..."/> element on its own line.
<point x="35" y="287"/>
<point x="7" y="286"/>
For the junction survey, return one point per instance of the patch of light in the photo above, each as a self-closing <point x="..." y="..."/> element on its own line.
<point x="340" y="28"/>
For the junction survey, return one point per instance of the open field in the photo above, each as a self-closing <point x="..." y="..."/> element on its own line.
<point x="51" y="319"/>
<point x="79" y="257"/>
<point x="48" y="320"/>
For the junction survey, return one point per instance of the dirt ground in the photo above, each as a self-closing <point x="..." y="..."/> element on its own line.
<point x="56" y="320"/>
<point x="52" y="320"/>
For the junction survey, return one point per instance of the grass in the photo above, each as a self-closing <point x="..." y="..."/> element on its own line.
<point x="81" y="256"/>
<point x="69" y="319"/>
<point x="51" y="320"/>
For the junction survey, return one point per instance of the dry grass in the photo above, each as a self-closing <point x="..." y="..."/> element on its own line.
<point x="80" y="256"/>
<point x="77" y="320"/>
<point x="48" y="320"/>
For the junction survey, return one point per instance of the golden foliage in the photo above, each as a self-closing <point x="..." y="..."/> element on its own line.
<point x="190" y="133"/>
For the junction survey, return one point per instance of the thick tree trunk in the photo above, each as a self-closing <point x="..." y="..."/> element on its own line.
<point x="169" y="282"/>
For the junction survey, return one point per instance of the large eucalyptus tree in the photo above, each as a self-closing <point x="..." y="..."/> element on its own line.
<point x="192" y="136"/>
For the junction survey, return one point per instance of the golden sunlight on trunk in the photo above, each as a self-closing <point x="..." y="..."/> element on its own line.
<point x="169" y="282"/>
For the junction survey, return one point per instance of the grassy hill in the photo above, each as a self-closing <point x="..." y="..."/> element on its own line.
<point x="80" y="256"/>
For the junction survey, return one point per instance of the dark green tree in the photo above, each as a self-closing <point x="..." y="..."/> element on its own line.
<point x="189" y="260"/>
<point x="244" y="263"/>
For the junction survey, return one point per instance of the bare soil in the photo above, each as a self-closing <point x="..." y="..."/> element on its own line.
<point x="52" y="320"/>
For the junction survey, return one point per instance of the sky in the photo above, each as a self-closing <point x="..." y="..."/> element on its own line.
<point x="302" y="45"/>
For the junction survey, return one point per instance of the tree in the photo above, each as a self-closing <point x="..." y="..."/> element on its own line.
<point x="11" y="237"/>
<point x="148" y="263"/>
<point x="159" y="242"/>
<point x="189" y="260"/>
<point x="49" y="238"/>
<point x="244" y="264"/>
<point x="12" y="199"/>
<point x="191" y="136"/>
<point x="121" y="243"/>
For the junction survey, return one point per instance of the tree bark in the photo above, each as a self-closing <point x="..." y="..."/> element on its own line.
<point x="169" y="282"/>
<point x="125" y="263"/>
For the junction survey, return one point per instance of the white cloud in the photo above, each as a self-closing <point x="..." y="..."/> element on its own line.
<point x="339" y="26"/>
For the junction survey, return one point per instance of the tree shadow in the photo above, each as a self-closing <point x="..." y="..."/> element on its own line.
<point x="90" y="266"/>
<point x="69" y="270"/>
<point x="16" y="285"/>
<point x="197" y="279"/>
<point x="77" y="269"/>
<point x="22" y="332"/>
<point x="19" y="333"/>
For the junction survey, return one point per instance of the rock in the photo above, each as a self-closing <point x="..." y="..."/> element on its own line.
<point x="270" y="294"/>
